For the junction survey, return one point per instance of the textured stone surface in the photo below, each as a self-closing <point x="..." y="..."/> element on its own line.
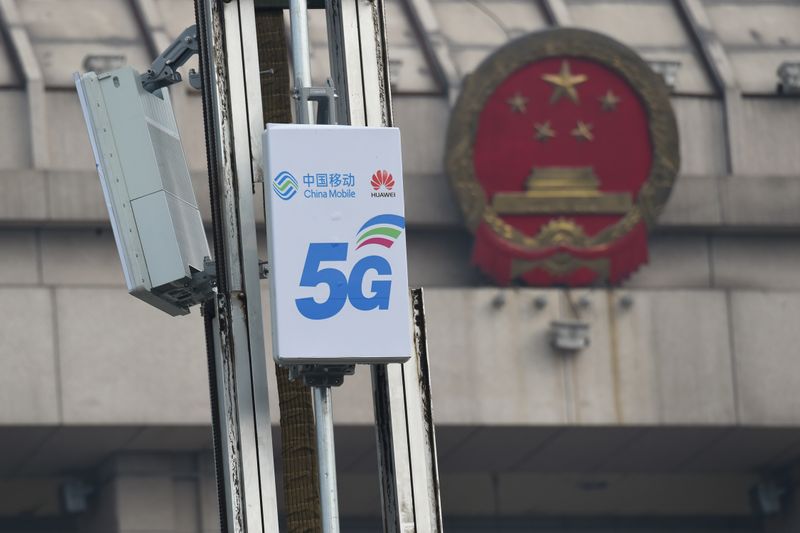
<point x="80" y="257"/>
<point x="762" y="262"/>
<point x="766" y="344"/>
<point x="146" y="503"/>
<point x="674" y="360"/>
<point x="23" y="196"/>
<point x="417" y="118"/>
<point x="123" y="361"/>
<point x="770" y="149"/>
<point x="67" y="136"/>
<point x="694" y="202"/>
<point x="700" y="121"/>
<point x="430" y="264"/>
<point x="19" y="261"/>
<point x="488" y="349"/>
<point x="75" y="196"/>
<point x="28" y="367"/>
<point x="767" y="201"/>
<point x="662" y="358"/>
<point x="676" y="261"/>
<point x="14" y="130"/>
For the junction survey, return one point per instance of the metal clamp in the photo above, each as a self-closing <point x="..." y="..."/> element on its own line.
<point x="203" y="283"/>
<point x="321" y="375"/>
<point x="164" y="71"/>
<point x="325" y="97"/>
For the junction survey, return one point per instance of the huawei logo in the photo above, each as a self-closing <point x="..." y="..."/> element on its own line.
<point x="382" y="179"/>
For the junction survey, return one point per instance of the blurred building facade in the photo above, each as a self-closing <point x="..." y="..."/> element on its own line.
<point x="682" y="415"/>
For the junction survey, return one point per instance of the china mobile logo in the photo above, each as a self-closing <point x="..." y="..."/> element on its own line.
<point x="382" y="183"/>
<point x="285" y="186"/>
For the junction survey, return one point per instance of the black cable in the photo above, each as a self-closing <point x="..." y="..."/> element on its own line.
<point x="210" y="306"/>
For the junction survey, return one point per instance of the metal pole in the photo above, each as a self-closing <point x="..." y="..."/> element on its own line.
<point x="301" y="62"/>
<point x="323" y="410"/>
<point x="232" y="122"/>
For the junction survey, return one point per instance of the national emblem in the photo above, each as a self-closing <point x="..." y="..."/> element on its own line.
<point x="570" y="204"/>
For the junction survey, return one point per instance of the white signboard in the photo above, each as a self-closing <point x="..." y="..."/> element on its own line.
<point x="336" y="236"/>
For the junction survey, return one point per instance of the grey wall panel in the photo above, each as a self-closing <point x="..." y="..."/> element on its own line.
<point x="66" y="136"/>
<point x="15" y="151"/>
<point x="695" y="201"/>
<point x="423" y="127"/>
<point x="637" y="495"/>
<point x="756" y="262"/>
<point x="674" y="359"/>
<point x="654" y="22"/>
<point x="410" y="69"/>
<point x="28" y="368"/>
<point x="63" y="34"/>
<point x="755" y="23"/>
<point x="441" y="259"/>
<point x="75" y="196"/>
<point x="493" y="362"/>
<point x="23" y="196"/>
<point x="124" y="362"/>
<point x="758" y="37"/>
<point x="701" y="126"/>
<point x="475" y="29"/>
<point x="188" y="109"/>
<point x="654" y="29"/>
<point x="663" y="360"/>
<point x="486" y="23"/>
<point x="771" y="136"/>
<point x="591" y="378"/>
<point x="676" y="261"/>
<point x="80" y="257"/>
<point x="766" y="348"/>
<point x="760" y="201"/>
<point x="8" y="72"/>
<point x="19" y="257"/>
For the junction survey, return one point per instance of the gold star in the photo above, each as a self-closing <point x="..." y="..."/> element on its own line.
<point x="565" y="83"/>
<point x="583" y="131"/>
<point x="609" y="101"/>
<point x="544" y="132"/>
<point x="518" y="103"/>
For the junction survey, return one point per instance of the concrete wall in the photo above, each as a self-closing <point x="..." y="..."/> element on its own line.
<point x="686" y="393"/>
<point x="702" y="336"/>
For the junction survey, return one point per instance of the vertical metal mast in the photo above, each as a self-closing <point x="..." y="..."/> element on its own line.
<point x="238" y="374"/>
<point x="323" y="406"/>
<point x="401" y="392"/>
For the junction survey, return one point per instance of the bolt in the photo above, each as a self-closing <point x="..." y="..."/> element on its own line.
<point x="498" y="301"/>
<point x="626" y="301"/>
<point x="540" y="302"/>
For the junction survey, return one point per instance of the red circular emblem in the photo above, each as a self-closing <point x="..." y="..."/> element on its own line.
<point x="562" y="150"/>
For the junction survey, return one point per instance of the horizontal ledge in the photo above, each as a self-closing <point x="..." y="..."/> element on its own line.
<point x="33" y="197"/>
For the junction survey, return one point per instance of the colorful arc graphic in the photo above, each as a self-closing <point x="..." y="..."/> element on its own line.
<point x="382" y="230"/>
<point x="285" y="185"/>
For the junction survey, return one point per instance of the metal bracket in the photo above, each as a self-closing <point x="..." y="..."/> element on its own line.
<point x="321" y="375"/>
<point x="325" y="98"/>
<point x="203" y="283"/>
<point x="163" y="72"/>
